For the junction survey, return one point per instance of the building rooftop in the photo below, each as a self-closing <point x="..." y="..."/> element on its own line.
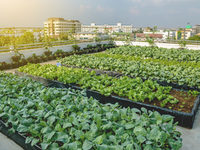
<point x="142" y="35"/>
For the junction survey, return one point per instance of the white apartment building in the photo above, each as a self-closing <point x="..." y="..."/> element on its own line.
<point x="165" y="34"/>
<point x="107" y="28"/>
<point x="90" y="36"/>
<point x="57" y="26"/>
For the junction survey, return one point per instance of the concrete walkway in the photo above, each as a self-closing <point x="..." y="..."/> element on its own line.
<point x="7" y="144"/>
<point x="191" y="137"/>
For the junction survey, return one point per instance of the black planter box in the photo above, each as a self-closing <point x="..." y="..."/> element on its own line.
<point x="184" y="119"/>
<point x="17" y="138"/>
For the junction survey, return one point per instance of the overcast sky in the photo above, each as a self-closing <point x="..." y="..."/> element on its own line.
<point x="139" y="13"/>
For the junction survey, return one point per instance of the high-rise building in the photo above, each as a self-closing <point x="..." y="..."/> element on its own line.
<point x="107" y="28"/>
<point x="56" y="26"/>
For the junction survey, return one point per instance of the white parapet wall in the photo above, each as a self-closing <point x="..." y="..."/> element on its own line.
<point x="163" y="45"/>
<point x="6" y="57"/>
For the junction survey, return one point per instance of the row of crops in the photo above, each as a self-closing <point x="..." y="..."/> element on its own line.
<point x="181" y="73"/>
<point x="135" y="89"/>
<point x="54" y="118"/>
<point x="158" y="53"/>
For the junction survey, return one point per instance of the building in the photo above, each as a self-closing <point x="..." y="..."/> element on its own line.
<point x="107" y="28"/>
<point x="144" y="36"/>
<point x="183" y="34"/>
<point x="196" y="29"/>
<point x="90" y="36"/>
<point x="159" y="35"/>
<point x="56" y="26"/>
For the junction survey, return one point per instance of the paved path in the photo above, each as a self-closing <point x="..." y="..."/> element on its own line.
<point x="191" y="137"/>
<point x="7" y="144"/>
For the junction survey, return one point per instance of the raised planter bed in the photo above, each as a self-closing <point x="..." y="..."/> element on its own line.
<point x="184" y="119"/>
<point x="16" y="137"/>
<point x="117" y="74"/>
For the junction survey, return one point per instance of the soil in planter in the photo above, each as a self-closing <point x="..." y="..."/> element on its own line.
<point x="185" y="104"/>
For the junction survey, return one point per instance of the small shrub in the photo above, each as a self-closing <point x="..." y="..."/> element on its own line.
<point x="76" y="48"/>
<point x="48" y="53"/>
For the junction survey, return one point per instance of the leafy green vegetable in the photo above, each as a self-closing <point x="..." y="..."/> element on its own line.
<point x="158" y="53"/>
<point x="134" y="89"/>
<point x="185" y="73"/>
<point x="88" y="124"/>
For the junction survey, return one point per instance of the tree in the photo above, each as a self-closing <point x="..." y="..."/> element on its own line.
<point x="26" y="38"/>
<point x="7" y="31"/>
<point x="179" y="35"/>
<point x="63" y="36"/>
<point x="127" y="39"/>
<point x="14" y="41"/>
<point x="76" y="48"/>
<point x="97" y="39"/>
<point x="47" y="42"/>
<point x="71" y="35"/>
<point x="5" y="40"/>
<point x="150" y="41"/>
<point x="155" y="28"/>
<point x="182" y="44"/>
<point x="195" y="37"/>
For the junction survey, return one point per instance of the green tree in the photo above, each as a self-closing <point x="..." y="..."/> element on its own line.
<point x="5" y="40"/>
<point x="97" y="39"/>
<point x="26" y="38"/>
<point x="14" y="43"/>
<point x="76" y="48"/>
<point x="155" y="28"/>
<point x="63" y="36"/>
<point x="195" y="37"/>
<point x="71" y="36"/>
<point x="127" y="39"/>
<point x="150" y="41"/>
<point x="7" y="31"/>
<point x="47" y="42"/>
<point x="182" y="44"/>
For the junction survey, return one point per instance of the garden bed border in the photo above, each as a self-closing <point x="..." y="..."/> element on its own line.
<point x="17" y="137"/>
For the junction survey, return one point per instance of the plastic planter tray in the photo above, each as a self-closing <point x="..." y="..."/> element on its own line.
<point x="184" y="119"/>
<point x="17" y="137"/>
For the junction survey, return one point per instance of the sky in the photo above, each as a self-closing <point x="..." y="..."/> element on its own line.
<point x="139" y="13"/>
